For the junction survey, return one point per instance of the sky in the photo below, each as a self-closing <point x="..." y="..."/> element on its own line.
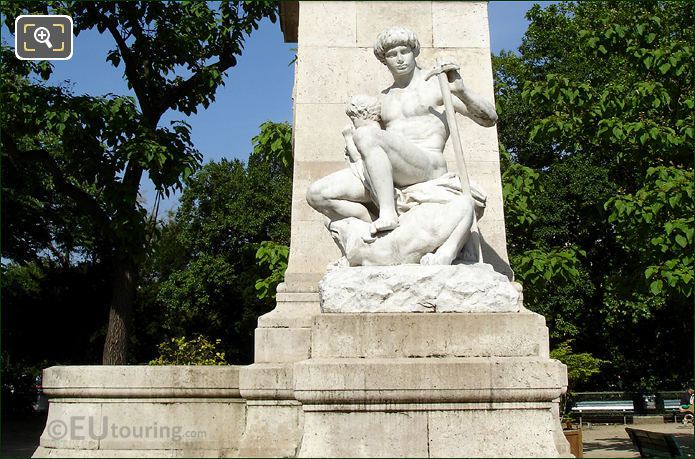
<point x="257" y="89"/>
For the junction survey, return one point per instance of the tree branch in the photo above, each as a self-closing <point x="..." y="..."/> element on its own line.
<point x="83" y="199"/>
<point x="133" y="172"/>
<point x="129" y="62"/>
<point x="177" y="92"/>
<point x="64" y="261"/>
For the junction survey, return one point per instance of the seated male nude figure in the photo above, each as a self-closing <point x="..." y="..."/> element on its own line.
<point x="407" y="147"/>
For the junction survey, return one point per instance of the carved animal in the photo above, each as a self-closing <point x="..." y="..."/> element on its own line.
<point x="430" y="233"/>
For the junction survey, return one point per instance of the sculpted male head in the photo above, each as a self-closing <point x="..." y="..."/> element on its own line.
<point x="392" y="37"/>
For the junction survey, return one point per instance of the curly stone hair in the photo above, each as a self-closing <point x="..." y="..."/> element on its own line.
<point x="392" y="37"/>
<point x="363" y="107"/>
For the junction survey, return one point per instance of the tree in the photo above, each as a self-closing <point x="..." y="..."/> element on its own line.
<point x="596" y="117"/>
<point x="204" y="272"/>
<point x="273" y="145"/>
<point x="96" y="150"/>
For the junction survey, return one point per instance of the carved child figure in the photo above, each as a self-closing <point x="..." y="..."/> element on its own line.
<point x="364" y="113"/>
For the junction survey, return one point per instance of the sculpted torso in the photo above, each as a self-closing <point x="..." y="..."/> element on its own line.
<point x="412" y="113"/>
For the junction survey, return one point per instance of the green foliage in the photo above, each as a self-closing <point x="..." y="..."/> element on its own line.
<point x="520" y="185"/>
<point x="203" y="274"/>
<point x="580" y="366"/>
<point x="656" y="222"/>
<point x="77" y="162"/>
<point x="274" y="257"/>
<point x="52" y="314"/>
<point x="18" y="385"/>
<point x="274" y="144"/>
<point x="198" y="350"/>
<point x="159" y="43"/>
<point x="538" y="267"/>
<point x="596" y="116"/>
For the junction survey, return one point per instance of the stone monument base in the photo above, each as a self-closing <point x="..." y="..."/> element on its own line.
<point x="274" y="418"/>
<point x="142" y="411"/>
<point x="430" y="430"/>
<point x="430" y="385"/>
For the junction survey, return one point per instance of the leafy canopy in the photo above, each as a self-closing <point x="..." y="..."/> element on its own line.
<point x="204" y="275"/>
<point x="596" y="123"/>
<point x="94" y="151"/>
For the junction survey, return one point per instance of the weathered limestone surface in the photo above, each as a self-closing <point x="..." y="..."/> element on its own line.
<point x="420" y="380"/>
<point x="430" y="385"/>
<point x="273" y="428"/>
<point x="418" y="430"/>
<point x="367" y="336"/>
<point x="142" y="411"/>
<point x="416" y="288"/>
<point x="274" y="418"/>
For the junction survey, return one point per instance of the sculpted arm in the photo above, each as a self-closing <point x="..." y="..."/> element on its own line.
<point x="469" y="103"/>
<point x="350" y="147"/>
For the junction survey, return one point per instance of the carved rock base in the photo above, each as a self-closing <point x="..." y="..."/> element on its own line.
<point x="416" y="288"/>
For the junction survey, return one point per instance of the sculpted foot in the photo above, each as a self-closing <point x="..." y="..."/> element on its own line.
<point x="369" y="239"/>
<point x="437" y="258"/>
<point x="383" y="224"/>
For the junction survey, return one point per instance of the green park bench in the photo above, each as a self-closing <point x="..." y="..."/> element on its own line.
<point x="604" y="408"/>
<point x="674" y="407"/>
<point x="654" y="444"/>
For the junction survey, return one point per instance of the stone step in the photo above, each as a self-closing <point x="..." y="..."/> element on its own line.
<point x="450" y="380"/>
<point x="142" y="411"/>
<point x="392" y="335"/>
<point x="269" y="381"/>
<point x="141" y="381"/>
<point x="293" y="310"/>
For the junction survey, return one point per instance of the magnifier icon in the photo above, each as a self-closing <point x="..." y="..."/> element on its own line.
<point x="42" y="35"/>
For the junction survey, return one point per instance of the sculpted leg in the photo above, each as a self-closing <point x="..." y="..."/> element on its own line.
<point x="445" y="255"/>
<point x="391" y="160"/>
<point x="380" y="173"/>
<point x="410" y="163"/>
<point x="339" y="195"/>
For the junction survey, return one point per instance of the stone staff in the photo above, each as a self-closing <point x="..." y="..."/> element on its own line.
<point x="441" y="72"/>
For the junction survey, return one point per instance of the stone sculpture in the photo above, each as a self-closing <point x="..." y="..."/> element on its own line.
<point x="396" y="203"/>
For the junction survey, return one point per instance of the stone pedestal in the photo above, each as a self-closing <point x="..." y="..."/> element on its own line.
<point x="274" y="419"/>
<point x="430" y="385"/>
<point x="142" y="411"/>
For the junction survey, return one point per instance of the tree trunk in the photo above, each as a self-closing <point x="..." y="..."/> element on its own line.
<point x="122" y="299"/>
